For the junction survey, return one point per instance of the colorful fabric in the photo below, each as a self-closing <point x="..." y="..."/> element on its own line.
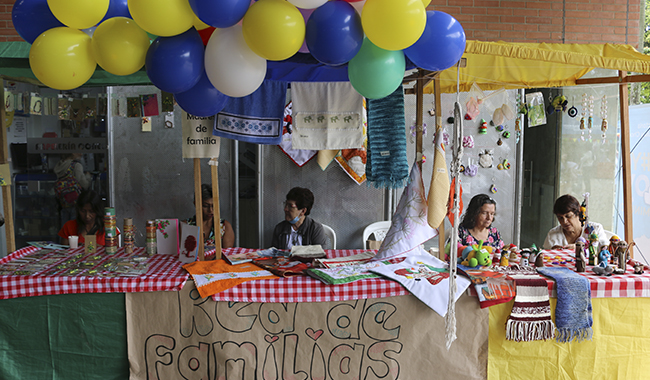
<point x="360" y="258"/>
<point x="439" y="188"/>
<point x="255" y="118"/>
<point x="492" y="288"/>
<point x="164" y="273"/>
<point x="282" y="266"/>
<point x="387" y="164"/>
<point x="298" y="156"/>
<point x="325" y="157"/>
<point x="426" y="278"/>
<point x="70" y="228"/>
<point x="326" y="115"/>
<point x="345" y="274"/>
<point x="493" y="240"/>
<point x="530" y="318"/>
<point x="353" y="161"/>
<point x="214" y="276"/>
<point x="573" y="313"/>
<point x="248" y="256"/>
<point x="409" y="227"/>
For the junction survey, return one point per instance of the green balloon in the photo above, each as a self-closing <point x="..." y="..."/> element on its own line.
<point x="374" y="72"/>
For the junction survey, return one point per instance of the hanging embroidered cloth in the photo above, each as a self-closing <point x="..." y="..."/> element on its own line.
<point x="326" y="115"/>
<point x="298" y="156"/>
<point x="255" y="118"/>
<point x="353" y="161"/>
<point x="409" y="227"/>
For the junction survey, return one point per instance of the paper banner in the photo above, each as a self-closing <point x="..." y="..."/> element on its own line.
<point x="133" y="107"/>
<point x="167" y="101"/>
<point x="35" y="104"/>
<point x="149" y="104"/>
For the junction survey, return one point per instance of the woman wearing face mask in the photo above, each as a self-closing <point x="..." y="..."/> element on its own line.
<point x="298" y="228"/>
<point x="477" y="223"/>
<point x="567" y="212"/>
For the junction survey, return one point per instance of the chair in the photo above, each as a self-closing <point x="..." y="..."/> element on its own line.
<point x="329" y="232"/>
<point x="379" y="229"/>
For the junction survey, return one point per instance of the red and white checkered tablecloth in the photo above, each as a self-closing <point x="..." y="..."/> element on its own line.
<point x="307" y="289"/>
<point x="164" y="273"/>
<point x="615" y="286"/>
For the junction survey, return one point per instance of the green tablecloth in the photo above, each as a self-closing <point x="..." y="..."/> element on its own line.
<point x="73" y="336"/>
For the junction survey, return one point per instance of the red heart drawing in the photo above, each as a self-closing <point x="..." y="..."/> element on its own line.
<point x="314" y="334"/>
<point x="271" y="338"/>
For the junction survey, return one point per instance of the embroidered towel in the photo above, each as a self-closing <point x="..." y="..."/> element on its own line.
<point x="298" y="156"/>
<point x="426" y="278"/>
<point x="326" y="115"/>
<point x="214" y="276"/>
<point x="409" y="227"/>
<point x="387" y="165"/>
<point x="346" y="273"/>
<point x="573" y="314"/>
<point x="255" y="118"/>
<point x="530" y="318"/>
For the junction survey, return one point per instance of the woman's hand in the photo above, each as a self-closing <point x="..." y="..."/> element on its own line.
<point x="568" y="246"/>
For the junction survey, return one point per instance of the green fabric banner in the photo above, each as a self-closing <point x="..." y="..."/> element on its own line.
<point x="73" y="336"/>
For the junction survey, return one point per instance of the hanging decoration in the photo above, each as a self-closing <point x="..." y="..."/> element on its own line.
<point x="583" y="113"/>
<point x="603" y="115"/>
<point x="573" y="111"/>
<point x="591" y="114"/>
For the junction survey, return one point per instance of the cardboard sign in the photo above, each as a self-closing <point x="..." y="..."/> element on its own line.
<point x="179" y="335"/>
<point x="198" y="141"/>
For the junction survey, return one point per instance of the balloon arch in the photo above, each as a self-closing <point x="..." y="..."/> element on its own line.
<point x="205" y="51"/>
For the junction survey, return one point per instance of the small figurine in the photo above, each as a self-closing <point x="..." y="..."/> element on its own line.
<point x="513" y="252"/>
<point x="621" y="253"/>
<point x="482" y="129"/>
<point x="539" y="260"/>
<point x="638" y="268"/>
<point x="524" y="257"/>
<point x="580" y="255"/>
<point x="603" y="256"/>
<point x="603" y="271"/>
<point x="593" y="249"/>
<point x="613" y="243"/>
<point x="504" y="259"/>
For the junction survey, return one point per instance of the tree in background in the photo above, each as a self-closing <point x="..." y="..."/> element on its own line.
<point x="640" y="92"/>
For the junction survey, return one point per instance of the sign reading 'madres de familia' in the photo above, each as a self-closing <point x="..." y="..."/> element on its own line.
<point x="198" y="141"/>
<point x="67" y="145"/>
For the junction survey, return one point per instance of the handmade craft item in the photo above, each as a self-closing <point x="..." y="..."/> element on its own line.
<point x="486" y="158"/>
<point x="150" y="238"/>
<point x="167" y="237"/>
<point x="530" y="318"/>
<point x="214" y="276"/>
<point x="573" y="315"/>
<point x="492" y="287"/>
<point x="129" y="235"/>
<point x="621" y="257"/>
<point x="580" y="255"/>
<point x="110" y="231"/>
<point x="482" y="128"/>
<point x="590" y="121"/>
<point x="583" y="113"/>
<point x="593" y="249"/>
<point x="603" y="116"/>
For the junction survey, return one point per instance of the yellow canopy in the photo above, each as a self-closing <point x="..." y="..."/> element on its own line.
<point x="494" y="65"/>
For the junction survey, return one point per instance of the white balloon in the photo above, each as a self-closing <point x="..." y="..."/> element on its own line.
<point x="358" y="5"/>
<point x="231" y="65"/>
<point x="307" y="4"/>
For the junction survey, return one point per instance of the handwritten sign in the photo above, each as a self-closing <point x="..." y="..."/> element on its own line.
<point x="176" y="335"/>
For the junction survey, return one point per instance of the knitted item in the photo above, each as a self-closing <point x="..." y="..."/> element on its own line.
<point x="573" y="316"/>
<point x="530" y="318"/>
<point x="387" y="165"/>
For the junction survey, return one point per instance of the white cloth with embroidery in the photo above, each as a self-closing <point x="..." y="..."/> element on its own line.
<point x="326" y="115"/>
<point x="409" y="227"/>
<point x="427" y="278"/>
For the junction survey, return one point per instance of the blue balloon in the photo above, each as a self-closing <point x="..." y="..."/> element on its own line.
<point x="33" y="17"/>
<point x="175" y="64"/>
<point x="117" y="8"/>
<point x="220" y="13"/>
<point x="333" y="33"/>
<point x="441" y="45"/>
<point x="203" y="99"/>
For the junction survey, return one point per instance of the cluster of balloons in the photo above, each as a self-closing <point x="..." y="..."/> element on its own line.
<point x="205" y="51"/>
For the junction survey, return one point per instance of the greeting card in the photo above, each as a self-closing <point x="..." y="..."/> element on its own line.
<point x="167" y="236"/>
<point x="189" y="248"/>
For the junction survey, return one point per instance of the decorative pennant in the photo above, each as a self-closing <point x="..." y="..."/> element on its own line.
<point x="133" y="107"/>
<point x="90" y="108"/>
<point x="77" y="110"/>
<point x="167" y="101"/>
<point x="9" y="101"/>
<point x="146" y="124"/>
<point x="119" y="106"/>
<point x="35" y="104"/>
<point x="149" y="104"/>
<point x="63" y="109"/>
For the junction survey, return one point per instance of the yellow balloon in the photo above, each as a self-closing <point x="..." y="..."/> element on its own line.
<point x="274" y="29"/>
<point x="61" y="58"/>
<point x="79" y="14"/>
<point x="163" y="18"/>
<point x="120" y="46"/>
<point x="198" y="24"/>
<point x="426" y="3"/>
<point x="393" y="24"/>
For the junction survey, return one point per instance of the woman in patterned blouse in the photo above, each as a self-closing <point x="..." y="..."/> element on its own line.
<point x="477" y="223"/>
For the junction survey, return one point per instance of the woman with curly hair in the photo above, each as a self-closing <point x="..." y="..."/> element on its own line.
<point x="477" y="223"/>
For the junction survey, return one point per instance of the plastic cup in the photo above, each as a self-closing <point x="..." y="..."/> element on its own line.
<point x="74" y="241"/>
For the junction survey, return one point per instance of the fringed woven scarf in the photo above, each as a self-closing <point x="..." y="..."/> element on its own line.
<point x="387" y="165"/>
<point x="573" y="316"/>
<point x="530" y="318"/>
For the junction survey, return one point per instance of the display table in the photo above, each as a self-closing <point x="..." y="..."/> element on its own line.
<point x="355" y="332"/>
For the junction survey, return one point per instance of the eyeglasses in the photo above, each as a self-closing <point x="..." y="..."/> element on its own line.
<point x="289" y="205"/>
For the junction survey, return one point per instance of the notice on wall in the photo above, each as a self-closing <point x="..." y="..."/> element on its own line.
<point x="179" y="335"/>
<point x="20" y="130"/>
<point x="198" y="141"/>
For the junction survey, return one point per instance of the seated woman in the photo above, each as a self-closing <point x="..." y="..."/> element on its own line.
<point x="298" y="228"/>
<point x="89" y="221"/>
<point x="477" y="223"/>
<point x="207" y="207"/>
<point x="572" y="226"/>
